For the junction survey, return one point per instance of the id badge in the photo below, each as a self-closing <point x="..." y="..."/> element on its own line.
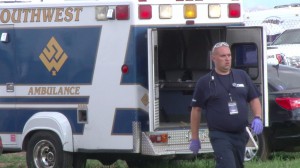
<point x="232" y="108"/>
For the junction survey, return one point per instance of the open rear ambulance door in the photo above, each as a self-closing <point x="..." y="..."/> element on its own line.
<point x="248" y="47"/>
<point x="153" y="80"/>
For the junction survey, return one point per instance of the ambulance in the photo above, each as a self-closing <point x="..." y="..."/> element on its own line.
<point x="113" y="79"/>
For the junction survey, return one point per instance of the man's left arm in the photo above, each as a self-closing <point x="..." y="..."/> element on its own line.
<point x="253" y="98"/>
<point x="256" y="107"/>
<point x="256" y="125"/>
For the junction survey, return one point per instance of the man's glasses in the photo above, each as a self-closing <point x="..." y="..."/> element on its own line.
<point x="220" y="44"/>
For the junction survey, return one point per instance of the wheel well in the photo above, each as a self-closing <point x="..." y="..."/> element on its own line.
<point x="49" y="121"/>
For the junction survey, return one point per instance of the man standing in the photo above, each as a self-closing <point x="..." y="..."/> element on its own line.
<point x="224" y="94"/>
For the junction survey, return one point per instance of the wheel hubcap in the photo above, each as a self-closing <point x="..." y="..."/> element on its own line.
<point x="44" y="154"/>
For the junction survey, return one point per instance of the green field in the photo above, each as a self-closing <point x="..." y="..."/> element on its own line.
<point x="277" y="160"/>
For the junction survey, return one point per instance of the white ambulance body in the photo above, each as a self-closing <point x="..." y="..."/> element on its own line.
<point x="112" y="79"/>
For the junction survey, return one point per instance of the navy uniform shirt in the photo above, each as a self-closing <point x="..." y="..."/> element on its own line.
<point x="213" y="97"/>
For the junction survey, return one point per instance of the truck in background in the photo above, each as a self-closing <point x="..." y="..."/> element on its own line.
<point x="113" y="79"/>
<point x="275" y="20"/>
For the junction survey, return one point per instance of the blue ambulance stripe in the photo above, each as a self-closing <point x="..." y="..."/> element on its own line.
<point x="124" y="117"/>
<point x="136" y="58"/>
<point x="13" y="120"/>
<point x="39" y="100"/>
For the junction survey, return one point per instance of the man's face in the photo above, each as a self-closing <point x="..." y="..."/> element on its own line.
<point x="222" y="59"/>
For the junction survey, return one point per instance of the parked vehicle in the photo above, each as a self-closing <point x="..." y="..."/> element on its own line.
<point x="275" y="20"/>
<point x="285" y="48"/>
<point x="283" y="133"/>
<point x="284" y="94"/>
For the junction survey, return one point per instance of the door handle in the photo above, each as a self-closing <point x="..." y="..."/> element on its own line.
<point x="10" y="87"/>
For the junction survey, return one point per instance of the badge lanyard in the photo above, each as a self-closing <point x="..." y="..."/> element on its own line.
<point x="222" y="84"/>
<point x="232" y="105"/>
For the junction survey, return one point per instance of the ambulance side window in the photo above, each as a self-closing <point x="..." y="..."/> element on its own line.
<point x="245" y="56"/>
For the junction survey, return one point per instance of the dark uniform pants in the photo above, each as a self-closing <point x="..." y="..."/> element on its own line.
<point x="229" y="148"/>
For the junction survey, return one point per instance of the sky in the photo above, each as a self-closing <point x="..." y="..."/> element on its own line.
<point x="265" y="4"/>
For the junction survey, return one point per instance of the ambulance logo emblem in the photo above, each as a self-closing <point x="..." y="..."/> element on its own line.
<point x="53" y="56"/>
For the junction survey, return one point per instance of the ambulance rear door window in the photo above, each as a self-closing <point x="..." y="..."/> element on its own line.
<point x="245" y="56"/>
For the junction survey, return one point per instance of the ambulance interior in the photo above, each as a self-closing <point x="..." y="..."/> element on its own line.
<point x="182" y="57"/>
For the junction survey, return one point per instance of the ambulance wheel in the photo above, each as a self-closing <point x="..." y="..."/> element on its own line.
<point x="79" y="160"/>
<point x="107" y="161"/>
<point x="264" y="150"/>
<point x="45" y="150"/>
<point x="142" y="161"/>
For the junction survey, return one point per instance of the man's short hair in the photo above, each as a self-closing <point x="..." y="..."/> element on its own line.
<point x="218" y="45"/>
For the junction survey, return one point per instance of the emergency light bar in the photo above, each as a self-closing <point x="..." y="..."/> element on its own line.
<point x="101" y="12"/>
<point x="145" y="12"/>
<point x="214" y="11"/>
<point x="234" y="10"/>
<point x="190" y="11"/>
<point x="121" y="12"/>
<point x="165" y="11"/>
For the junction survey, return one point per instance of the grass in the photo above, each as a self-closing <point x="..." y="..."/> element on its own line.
<point x="277" y="160"/>
<point x="15" y="160"/>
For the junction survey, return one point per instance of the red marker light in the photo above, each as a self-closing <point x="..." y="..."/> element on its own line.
<point x="145" y="12"/>
<point x="124" y="69"/>
<point x="122" y="12"/>
<point x="234" y="10"/>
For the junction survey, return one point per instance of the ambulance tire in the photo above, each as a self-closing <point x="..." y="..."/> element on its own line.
<point x="79" y="160"/>
<point x="264" y="150"/>
<point x="142" y="162"/>
<point x="45" y="150"/>
<point x="136" y="163"/>
<point x="107" y="161"/>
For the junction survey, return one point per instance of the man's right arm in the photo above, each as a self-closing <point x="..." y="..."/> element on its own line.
<point x="195" y="122"/>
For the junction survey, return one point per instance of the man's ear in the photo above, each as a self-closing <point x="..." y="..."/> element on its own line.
<point x="212" y="57"/>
